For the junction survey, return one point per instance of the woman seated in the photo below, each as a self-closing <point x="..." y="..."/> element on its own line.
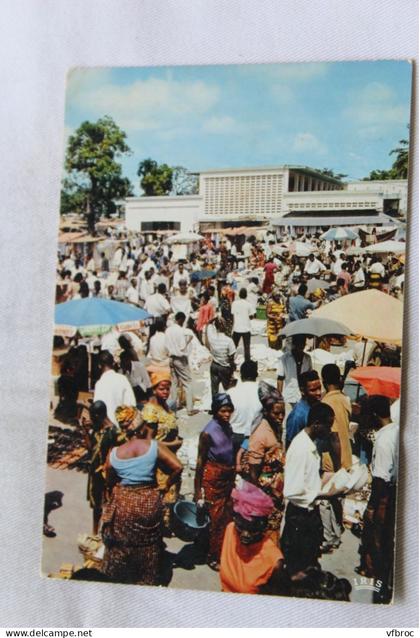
<point x="250" y="562"/>
<point x="132" y="519"/>
<point x="215" y="473"/>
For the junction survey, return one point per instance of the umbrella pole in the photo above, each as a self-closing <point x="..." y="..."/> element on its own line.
<point x="364" y="352"/>
<point x="363" y="363"/>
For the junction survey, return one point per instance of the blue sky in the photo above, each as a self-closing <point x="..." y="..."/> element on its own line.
<point x="346" y="116"/>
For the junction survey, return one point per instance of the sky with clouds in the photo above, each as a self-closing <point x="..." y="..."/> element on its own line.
<point x="346" y="116"/>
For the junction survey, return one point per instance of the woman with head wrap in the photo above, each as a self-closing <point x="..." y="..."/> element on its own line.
<point x="101" y="436"/>
<point x="263" y="463"/>
<point x="275" y="311"/>
<point x="132" y="519"/>
<point x="161" y="421"/>
<point x="250" y="559"/>
<point x="215" y="473"/>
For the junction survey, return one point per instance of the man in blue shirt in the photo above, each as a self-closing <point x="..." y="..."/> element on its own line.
<point x="311" y="389"/>
<point x="299" y="305"/>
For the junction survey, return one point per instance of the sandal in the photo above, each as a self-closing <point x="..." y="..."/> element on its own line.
<point x="49" y="531"/>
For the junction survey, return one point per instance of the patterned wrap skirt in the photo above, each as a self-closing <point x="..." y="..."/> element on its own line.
<point x="218" y="483"/>
<point x="131" y="527"/>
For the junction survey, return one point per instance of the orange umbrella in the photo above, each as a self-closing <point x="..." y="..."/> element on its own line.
<point x="382" y="380"/>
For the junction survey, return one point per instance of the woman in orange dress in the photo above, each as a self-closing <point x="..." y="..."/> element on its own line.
<point x="251" y="563"/>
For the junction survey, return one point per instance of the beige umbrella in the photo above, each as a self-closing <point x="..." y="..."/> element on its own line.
<point x="370" y="313"/>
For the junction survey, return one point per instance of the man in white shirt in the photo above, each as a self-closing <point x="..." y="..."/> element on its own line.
<point x="303" y="533"/>
<point x="157" y="304"/>
<point x="377" y="543"/>
<point x="176" y="342"/>
<point x="180" y="274"/>
<point x="112" y="388"/>
<point x="242" y="312"/>
<point x="157" y="352"/>
<point x="181" y="300"/>
<point x="358" y="278"/>
<point x="132" y="294"/>
<point x="248" y="409"/>
<point x="145" y="285"/>
<point x="313" y="266"/>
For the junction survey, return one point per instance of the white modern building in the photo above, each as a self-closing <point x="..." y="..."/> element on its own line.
<point x="292" y="196"/>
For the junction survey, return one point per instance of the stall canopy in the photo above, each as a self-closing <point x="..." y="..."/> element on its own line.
<point x="390" y="246"/>
<point x="183" y="238"/>
<point x="370" y="314"/>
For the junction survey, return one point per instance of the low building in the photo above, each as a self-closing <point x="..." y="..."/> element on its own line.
<point x="289" y="196"/>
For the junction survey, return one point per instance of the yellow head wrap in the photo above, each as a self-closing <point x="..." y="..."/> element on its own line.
<point x="159" y="375"/>
<point x="125" y="414"/>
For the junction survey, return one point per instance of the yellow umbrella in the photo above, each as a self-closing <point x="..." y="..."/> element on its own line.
<point x="370" y="313"/>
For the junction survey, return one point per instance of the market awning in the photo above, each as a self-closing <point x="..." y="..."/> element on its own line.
<point x="340" y="220"/>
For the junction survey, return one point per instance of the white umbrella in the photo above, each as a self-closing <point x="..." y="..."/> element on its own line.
<point x="390" y="246"/>
<point x="339" y="234"/>
<point x="184" y="238"/>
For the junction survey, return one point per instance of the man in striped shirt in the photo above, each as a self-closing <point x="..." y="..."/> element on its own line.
<point x="222" y="349"/>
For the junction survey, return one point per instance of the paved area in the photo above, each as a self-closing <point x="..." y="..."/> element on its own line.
<point x="75" y="518"/>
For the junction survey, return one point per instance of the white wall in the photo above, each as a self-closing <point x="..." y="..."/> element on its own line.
<point x="181" y="209"/>
<point x="332" y="200"/>
<point x="389" y="188"/>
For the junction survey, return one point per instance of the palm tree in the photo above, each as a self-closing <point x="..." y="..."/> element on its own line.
<point x="399" y="168"/>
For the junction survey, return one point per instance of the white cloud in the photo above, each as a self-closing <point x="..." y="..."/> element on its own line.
<point x="305" y="142"/>
<point x="298" y="72"/>
<point x="148" y="104"/>
<point x="373" y="108"/>
<point x="220" y="124"/>
<point x="282" y="94"/>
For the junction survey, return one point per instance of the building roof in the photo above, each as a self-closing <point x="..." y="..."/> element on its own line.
<point x="345" y="218"/>
<point x="283" y="167"/>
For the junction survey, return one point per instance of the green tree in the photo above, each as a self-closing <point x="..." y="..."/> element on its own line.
<point x="399" y="168"/>
<point x="183" y="182"/>
<point x="155" y="179"/>
<point x="378" y="175"/>
<point x="330" y="173"/>
<point x="93" y="169"/>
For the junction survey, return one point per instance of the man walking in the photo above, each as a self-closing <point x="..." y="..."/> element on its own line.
<point x="222" y="349"/>
<point x="248" y="408"/>
<point x="176" y="341"/>
<point x="242" y="312"/>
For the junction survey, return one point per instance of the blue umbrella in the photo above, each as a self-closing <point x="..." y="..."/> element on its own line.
<point x="339" y="234"/>
<point x="198" y="275"/>
<point x="96" y="316"/>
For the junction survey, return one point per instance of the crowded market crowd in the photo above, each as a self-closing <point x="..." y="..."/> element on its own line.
<point x="268" y="461"/>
